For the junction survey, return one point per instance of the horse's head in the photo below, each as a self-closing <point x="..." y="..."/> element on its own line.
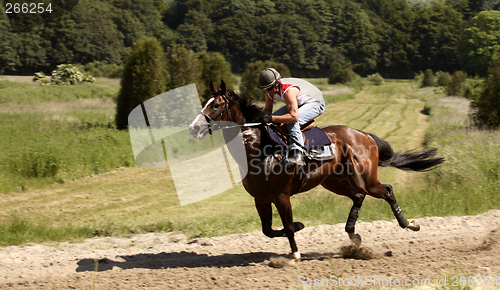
<point x="215" y="111"/>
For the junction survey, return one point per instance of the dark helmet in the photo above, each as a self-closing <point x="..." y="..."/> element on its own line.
<point x="268" y="78"/>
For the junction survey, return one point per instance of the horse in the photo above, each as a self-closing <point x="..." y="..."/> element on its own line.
<point x="352" y="172"/>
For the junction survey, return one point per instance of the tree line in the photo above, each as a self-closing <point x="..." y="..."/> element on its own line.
<point x="396" y="38"/>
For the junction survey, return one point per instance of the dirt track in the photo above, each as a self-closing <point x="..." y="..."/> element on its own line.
<point x="450" y="246"/>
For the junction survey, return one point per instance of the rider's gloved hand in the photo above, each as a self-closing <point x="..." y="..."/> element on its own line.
<point x="268" y="119"/>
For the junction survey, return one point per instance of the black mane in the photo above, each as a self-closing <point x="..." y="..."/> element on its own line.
<point x="251" y="112"/>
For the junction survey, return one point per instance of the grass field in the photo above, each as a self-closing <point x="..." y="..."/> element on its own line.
<point x="69" y="130"/>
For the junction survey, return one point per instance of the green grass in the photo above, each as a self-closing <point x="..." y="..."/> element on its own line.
<point x="57" y="133"/>
<point x="65" y="139"/>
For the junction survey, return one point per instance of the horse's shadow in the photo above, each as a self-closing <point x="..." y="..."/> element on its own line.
<point x="186" y="260"/>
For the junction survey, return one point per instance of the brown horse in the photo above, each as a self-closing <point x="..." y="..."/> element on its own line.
<point x="353" y="171"/>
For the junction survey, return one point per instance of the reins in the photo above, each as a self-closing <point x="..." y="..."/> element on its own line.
<point x="225" y="112"/>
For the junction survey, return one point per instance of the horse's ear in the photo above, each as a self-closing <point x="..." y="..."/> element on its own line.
<point x="223" y="86"/>
<point x="213" y="89"/>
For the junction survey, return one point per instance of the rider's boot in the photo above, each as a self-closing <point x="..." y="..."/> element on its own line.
<point x="295" y="156"/>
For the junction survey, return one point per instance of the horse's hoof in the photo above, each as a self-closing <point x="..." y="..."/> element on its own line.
<point x="355" y="239"/>
<point x="414" y="226"/>
<point x="298" y="226"/>
<point x="296" y="256"/>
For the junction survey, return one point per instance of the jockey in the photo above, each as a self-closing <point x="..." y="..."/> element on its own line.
<point x="303" y="103"/>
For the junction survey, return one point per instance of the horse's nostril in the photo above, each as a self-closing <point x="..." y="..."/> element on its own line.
<point x="196" y="128"/>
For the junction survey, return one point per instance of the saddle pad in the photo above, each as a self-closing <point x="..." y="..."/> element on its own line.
<point x="314" y="137"/>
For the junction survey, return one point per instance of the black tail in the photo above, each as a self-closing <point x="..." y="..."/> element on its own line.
<point x="414" y="160"/>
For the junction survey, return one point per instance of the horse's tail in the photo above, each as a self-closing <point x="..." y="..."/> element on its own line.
<point x="414" y="160"/>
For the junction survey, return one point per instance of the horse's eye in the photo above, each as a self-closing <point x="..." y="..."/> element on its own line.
<point x="216" y="105"/>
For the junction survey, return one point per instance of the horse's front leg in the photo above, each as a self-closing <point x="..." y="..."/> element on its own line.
<point x="266" y="217"/>
<point x="284" y="207"/>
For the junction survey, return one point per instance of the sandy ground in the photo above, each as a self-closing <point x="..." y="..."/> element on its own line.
<point x="444" y="247"/>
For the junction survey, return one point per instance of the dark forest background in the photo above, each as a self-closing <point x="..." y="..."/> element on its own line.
<point x="395" y="38"/>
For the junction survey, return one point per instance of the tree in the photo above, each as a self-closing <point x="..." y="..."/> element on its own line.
<point x="195" y="31"/>
<point x="183" y="68"/>
<point x="481" y="42"/>
<point x="437" y="31"/>
<point x="488" y="104"/>
<point x="144" y="77"/>
<point x="214" y="68"/>
<point x="8" y="44"/>
<point x="457" y="84"/>
<point x="250" y="78"/>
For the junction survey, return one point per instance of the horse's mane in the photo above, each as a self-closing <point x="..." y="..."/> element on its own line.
<point x="251" y="112"/>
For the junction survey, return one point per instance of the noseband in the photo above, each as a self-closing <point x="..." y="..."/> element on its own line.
<point x="220" y="117"/>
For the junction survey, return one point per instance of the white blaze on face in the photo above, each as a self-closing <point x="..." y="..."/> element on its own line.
<point x="199" y="126"/>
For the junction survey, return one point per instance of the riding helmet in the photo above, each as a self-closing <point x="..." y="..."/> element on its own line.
<point x="268" y="78"/>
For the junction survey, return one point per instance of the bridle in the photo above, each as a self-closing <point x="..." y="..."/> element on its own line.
<point x="216" y="123"/>
<point x="220" y="118"/>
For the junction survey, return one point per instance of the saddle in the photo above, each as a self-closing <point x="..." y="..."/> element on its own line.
<point x="316" y="142"/>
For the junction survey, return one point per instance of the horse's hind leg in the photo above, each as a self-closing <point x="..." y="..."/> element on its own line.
<point x="396" y="210"/>
<point x="385" y="191"/>
<point x="343" y="188"/>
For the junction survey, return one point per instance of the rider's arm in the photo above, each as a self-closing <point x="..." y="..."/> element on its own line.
<point x="268" y="109"/>
<point x="291" y="105"/>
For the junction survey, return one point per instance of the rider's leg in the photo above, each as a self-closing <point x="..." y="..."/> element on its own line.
<point x="307" y="112"/>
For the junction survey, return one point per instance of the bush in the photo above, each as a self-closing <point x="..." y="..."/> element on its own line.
<point x="144" y="76"/>
<point x="340" y="73"/>
<point x="250" y="78"/>
<point x="444" y="79"/>
<point x="429" y="79"/>
<point x="102" y="69"/>
<point x="473" y="88"/>
<point x="376" y="79"/>
<point x="456" y="87"/>
<point x="419" y="77"/>
<point x="487" y="105"/>
<point x="68" y="74"/>
<point x="64" y="74"/>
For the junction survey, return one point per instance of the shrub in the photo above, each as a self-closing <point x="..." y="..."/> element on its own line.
<point x="419" y="77"/>
<point x="250" y="78"/>
<point x="68" y="74"/>
<point x="340" y="73"/>
<point x="64" y="74"/>
<point x="41" y="78"/>
<point x="456" y="87"/>
<point x="429" y="79"/>
<point x="376" y="79"/>
<point x="102" y="69"/>
<point x="473" y="88"/>
<point x="444" y="79"/>
<point x="487" y="105"/>
<point x="144" y="76"/>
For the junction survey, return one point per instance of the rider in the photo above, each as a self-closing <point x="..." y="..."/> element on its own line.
<point x="304" y="102"/>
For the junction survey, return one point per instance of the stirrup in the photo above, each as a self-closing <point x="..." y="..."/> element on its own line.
<point x="295" y="156"/>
